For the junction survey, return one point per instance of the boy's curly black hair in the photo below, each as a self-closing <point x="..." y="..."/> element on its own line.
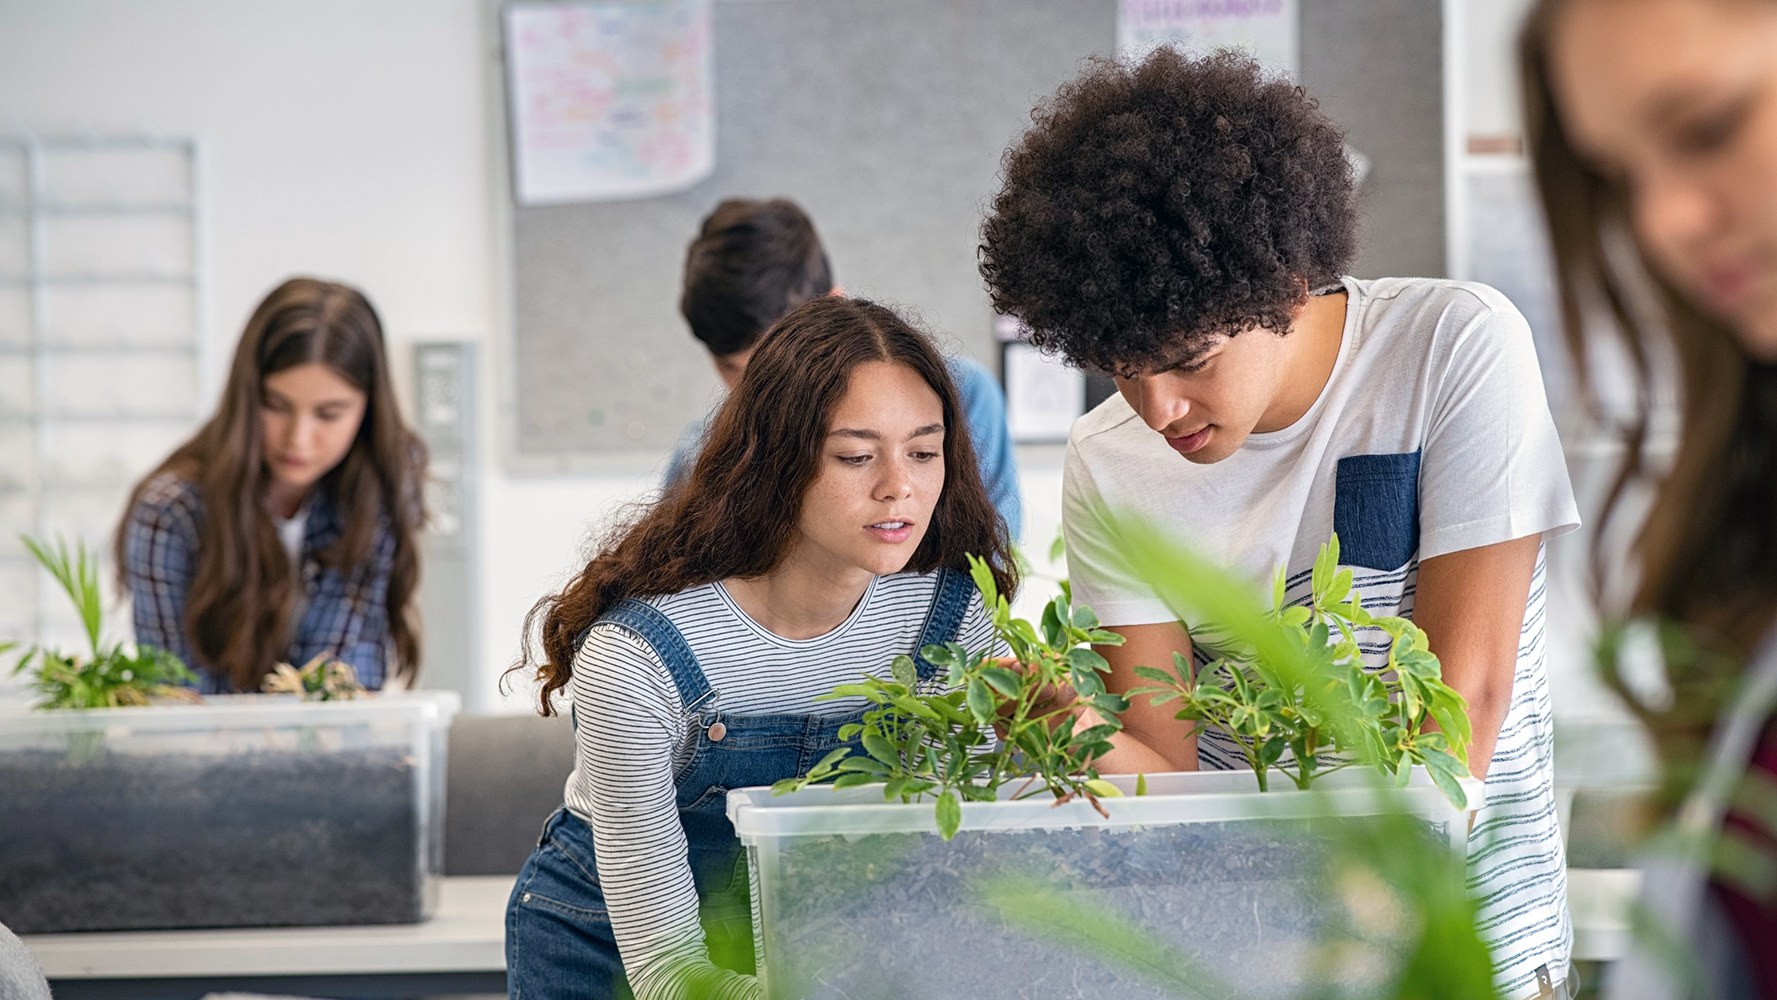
<point x="1154" y="206"/>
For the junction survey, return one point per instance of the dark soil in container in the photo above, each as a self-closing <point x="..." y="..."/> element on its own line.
<point x="96" y="840"/>
<point x="897" y="915"/>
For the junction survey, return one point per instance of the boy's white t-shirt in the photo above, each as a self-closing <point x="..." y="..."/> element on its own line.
<point x="1431" y="436"/>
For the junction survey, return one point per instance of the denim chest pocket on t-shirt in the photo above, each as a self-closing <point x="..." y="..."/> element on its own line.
<point x="1376" y="510"/>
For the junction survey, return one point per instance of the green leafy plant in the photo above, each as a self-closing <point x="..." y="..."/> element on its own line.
<point x="997" y="721"/>
<point x="106" y="676"/>
<point x="1318" y="708"/>
<point x="322" y="678"/>
<point x="1292" y="688"/>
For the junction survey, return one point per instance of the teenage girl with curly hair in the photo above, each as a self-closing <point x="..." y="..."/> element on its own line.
<point x="823" y="528"/>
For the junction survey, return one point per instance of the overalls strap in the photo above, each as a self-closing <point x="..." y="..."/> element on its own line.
<point x="659" y="632"/>
<point x="949" y="604"/>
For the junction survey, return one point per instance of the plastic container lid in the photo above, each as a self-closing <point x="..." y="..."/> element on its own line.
<point x="1198" y="796"/>
<point x="227" y="711"/>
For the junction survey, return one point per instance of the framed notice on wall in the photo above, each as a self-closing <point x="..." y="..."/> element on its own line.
<point x="1043" y="396"/>
<point x="609" y="99"/>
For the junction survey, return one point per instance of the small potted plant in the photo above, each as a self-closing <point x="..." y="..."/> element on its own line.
<point x="1320" y="709"/>
<point x="133" y="804"/>
<point x="996" y="731"/>
<point x="107" y="675"/>
<point x="1226" y="874"/>
<point x="322" y="678"/>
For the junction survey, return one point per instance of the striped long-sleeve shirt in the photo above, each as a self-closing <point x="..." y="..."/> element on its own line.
<point x="633" y="733"/>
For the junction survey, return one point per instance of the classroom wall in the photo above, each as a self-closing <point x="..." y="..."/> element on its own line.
<point x="1489" y="64"/>
<point x="397" y="199"/>
<point x="351" y="140"/>
<point x="344" y="139"/>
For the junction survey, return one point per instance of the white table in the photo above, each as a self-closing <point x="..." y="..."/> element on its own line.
<point x="1599" y="901"/>
<point x="460" y="950"/>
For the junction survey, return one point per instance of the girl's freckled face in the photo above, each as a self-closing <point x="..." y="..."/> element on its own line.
<point x="881" y="471"/>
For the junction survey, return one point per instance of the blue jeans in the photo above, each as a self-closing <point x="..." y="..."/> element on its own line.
<point x="559" y="940"/>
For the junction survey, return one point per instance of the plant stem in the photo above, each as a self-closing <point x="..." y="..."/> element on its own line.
<point x="1251" y="753"/>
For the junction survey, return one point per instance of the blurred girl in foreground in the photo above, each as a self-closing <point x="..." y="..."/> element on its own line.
<point x="1653" y="127"/>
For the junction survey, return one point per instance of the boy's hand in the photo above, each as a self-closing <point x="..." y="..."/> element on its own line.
<point x="1052" y="698"/>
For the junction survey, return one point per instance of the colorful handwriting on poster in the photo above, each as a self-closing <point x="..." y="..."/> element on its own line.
<point x="1266" y="28"/>
<point x="609" y="99"/>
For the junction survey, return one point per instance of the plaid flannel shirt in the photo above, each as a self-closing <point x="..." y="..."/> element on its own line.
<point x="346" y="614"/>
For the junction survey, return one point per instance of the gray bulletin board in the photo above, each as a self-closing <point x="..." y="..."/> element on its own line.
<point x="886" y="119"/>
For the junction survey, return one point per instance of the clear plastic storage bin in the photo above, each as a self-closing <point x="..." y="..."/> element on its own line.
<point x="854" y="897"/>
<point x="243" y="811"/>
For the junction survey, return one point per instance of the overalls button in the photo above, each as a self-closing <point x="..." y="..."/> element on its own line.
<point x="716" y="731"/>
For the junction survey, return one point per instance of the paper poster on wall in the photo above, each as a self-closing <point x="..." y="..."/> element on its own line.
<point x="609" y="99"/>
<point x="1269" y="29"/>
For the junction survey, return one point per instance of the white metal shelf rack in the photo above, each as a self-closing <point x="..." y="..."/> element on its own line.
<point x="102" y="346"/>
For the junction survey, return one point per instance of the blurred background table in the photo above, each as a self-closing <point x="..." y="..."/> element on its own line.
<point x="460" y="951"/>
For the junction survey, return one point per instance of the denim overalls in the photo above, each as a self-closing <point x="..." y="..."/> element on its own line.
<point x="559" y="942"/>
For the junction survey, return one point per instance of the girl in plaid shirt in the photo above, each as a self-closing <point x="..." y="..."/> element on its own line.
<point x="285" y="528"/>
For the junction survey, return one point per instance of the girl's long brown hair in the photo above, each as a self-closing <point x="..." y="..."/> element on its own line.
<point x="1707" y="548"/>
<point x="735" y="514"/>
<point x="238" y="610"/>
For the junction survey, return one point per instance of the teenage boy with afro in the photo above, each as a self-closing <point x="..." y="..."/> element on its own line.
<point x="1187" y="226"/>
<point x="751" y="262"/>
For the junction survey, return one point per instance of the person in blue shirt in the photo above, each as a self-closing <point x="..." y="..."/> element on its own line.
<point x="751" y="262"/>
